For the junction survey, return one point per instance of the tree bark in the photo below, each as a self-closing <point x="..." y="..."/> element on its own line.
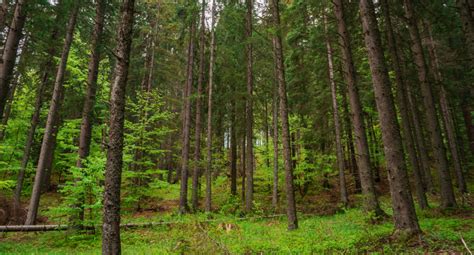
<point x="465" y="8"/>
<point x="403" y="106"/>
<point x="371" y="203"/>
<point x="51" y="128"/>
<point x="446" y="113"/>
<point x="10" y="51"/>
<point x="113" y="168"/>
<point x="402" y="203"/>
<point x="290" y="191"/>
<point x="208" y="201"/>
<point x="233" y="150"/>
<point x="275" y="197"/>
<point x="439" y="152"/>
<point x="466" y="113"/>
<point x="337" y="123"/>
<point x="197" y="150"/>
<point x="249" y="107"/>
<point x="183" y="195"/>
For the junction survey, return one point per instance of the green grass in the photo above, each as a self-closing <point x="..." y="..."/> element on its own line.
<point x="347" y="232"/>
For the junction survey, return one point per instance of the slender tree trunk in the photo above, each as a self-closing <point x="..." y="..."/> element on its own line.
<point x="290" y="190"/>
<point x="249" y="107"/>
<point x="197" y="150"/>
<point x="53" y="115"/>
<point x="337" y="123"/>
<point x="233" y="151"/>
<point x="242" y="163"/>
<point x="446" y="113"/>
<point x="402" y="203"/>
<point x="371" y="203"/>
<point x="439" y="152"/>
<point x="403" y="103"/>
<point x="85" y="135"/>
<point x="113" y="167"/>
<point x="466" y="113"/>
<point x="465" y="8"/>
<point x="275" y="138"/>
<point x="183" y="195"/>
<point x="10" y="51"/>
<point x="208" y="202"/>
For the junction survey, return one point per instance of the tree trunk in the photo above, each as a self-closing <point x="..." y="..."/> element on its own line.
<point x="371" y="203"/>
<point x="402" y="104"/>
<point x="249" y="107"/>
<point x="242" y="163"/>
<point x="290" y="191"/>
<point x="113" y="167"/>
<point x="337" y="123"/>
<point x="275" y="137"/>
<point x="465" y="8"/>
<point x="85" y="135"/>
<point x="183" y="195"/>
<point x="402" y="203"/>
<point x="197" y="150"/>
<point x="208" y="202"/>
<point x="233" y="151"/>
<point x="10" y="51"/>
<point x="51" y="129"/>
<point x="439" y="152"/>
<point x="446" y="113"/>
<point x="466" y="113"/>
<point x="3" y="17"/>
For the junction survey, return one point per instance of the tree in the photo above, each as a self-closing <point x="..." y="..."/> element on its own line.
<point x="285" y="126"/>
<point x="439" y="152"/>
<point x="10" y="51"/>
<point x="337" y="123"/>
<point x="52" y="121"/>
<point x="371" y="203"/>
<point x="113" y="168"/>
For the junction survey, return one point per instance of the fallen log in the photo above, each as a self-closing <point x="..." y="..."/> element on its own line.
<point x="42" y="228"/>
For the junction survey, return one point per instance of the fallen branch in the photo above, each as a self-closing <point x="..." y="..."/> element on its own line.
<point x="465" y="245"/>
<point x="42" y="228"/>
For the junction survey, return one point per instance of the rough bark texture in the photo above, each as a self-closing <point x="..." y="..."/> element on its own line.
<point x="285" y="129"/>
<point x="275" y="138"/>
<point x="371" y="203"/>
<point x="446" y="113"/>
<point x="113" y="168"/>
<point x="183" y="194"/>
<point x="402" y="203"/>
<point x="402" y="104"/>
<point x="439" y="152"/>
<point x="197" y="150"/>
<point x="10" y="50"/>
<point x="249" y="108"/>
<point x="53" y="116"/>
<point x="337" y="122"/>
<point x="208" y="200"/>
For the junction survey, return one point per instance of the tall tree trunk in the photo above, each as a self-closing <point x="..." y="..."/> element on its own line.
<point x="466" y="113"/>
<point x="402" y="203"/>
<point x="242" y="163"/>
<point x="275" y="136"/>
<point x="446" y="113"/>
<point x="439" y="152"/>
<point x="197" y="150"/>
<point x="465" y="8"/>
<point x="208" y="201"/>
<point x="85" y="135"/>
<point x="233" y="150"/>
<point x="10" y="51"/>
<point x="51" y="129"/>
<point x="113" y="167"/>
<point x="337" y="123"/>
<point x="183" y="194"/>
<point x="403" y="103"/>
<point x="290" y="190"/>
<point x="371" y="203"/>
<point x="249" y="107"/>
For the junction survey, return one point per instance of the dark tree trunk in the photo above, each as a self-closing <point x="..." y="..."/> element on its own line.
<point x="465" y="9"/>
<point x="183" y="194"/>
<point x="404" y="112"/>
<point x="371" y="203"/>
<point x="439" y="152"/>
<point x="466" y="113"/>
<point x="208" y="200"/>
<point x="113" y="167"/>
<point x="51" y="124"/>
<point x="197" y="150"/>
<point x="337" y="123"/>
<point x="85" y="135"/>
<point x="402" y="203"/>
<point x="290" y="191"/>
<point x="275" y="197"/>
<point x="233" y="151"/>
<point x="242" y="163"/>
<point x="10" y="51"/>
<point x="446" y="113"/>
<point x="249" y="107"/>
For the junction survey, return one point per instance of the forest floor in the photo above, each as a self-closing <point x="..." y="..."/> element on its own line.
<point x="344" y="231"/>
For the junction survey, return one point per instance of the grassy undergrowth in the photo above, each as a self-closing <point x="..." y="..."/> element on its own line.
<point x="346" y="232"/>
